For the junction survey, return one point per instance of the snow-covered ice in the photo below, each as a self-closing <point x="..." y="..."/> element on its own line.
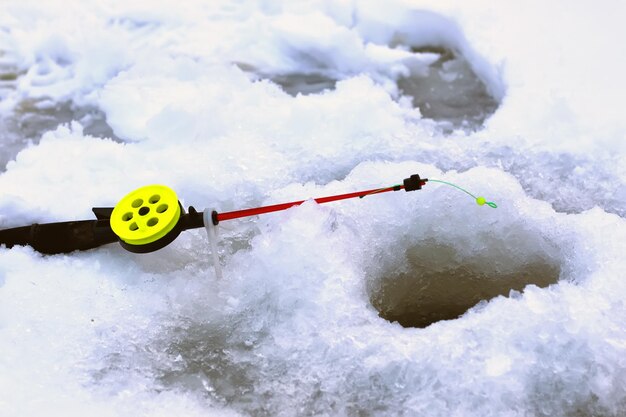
<point x="242" y="103"/>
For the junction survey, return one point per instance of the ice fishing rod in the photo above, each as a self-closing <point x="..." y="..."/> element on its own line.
<point x="151" y="217"/>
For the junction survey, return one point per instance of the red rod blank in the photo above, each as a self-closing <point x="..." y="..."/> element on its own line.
<point x="284" y="206"/>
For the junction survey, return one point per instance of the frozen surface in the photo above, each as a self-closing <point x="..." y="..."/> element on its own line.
<point x="236" y="104"/>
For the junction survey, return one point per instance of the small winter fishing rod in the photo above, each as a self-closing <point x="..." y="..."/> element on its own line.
<point x="151" y="217"/>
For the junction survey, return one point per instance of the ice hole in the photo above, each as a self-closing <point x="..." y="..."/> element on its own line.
<point x="447" y="91"/>
<point x="32" y="117"/>
<point x="294" y="84"/>
<point x="450" y="92"/>
<point x="436" y="281"/>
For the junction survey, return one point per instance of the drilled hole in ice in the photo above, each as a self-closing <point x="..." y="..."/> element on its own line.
<point x="447" y="91"/>
<point x="450" y="92"/>
<point x="31" y="117"/>
<point x="305" y="84"/>
<point x="436" y="282"/>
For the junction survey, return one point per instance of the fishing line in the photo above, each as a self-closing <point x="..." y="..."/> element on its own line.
<point x="479" y="200"/>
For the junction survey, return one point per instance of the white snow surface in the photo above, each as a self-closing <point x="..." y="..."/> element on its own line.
<point x="290" y="330"/>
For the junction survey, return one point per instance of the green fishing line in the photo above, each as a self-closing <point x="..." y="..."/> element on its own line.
<point x="481" y="201"/>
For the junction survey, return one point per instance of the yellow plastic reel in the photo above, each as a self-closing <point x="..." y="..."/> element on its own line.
<point x="146" y="215"/>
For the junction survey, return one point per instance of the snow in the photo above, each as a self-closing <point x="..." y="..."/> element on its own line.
<point x="203" y="97"/>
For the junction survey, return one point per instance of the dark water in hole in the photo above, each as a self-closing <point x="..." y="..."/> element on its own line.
<point x="30" y="121"/>
<point x="436" y="284"/>
<point x="295" y="84"/>
<point x="32" y="117"/>
<point x="450" y="93"/>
